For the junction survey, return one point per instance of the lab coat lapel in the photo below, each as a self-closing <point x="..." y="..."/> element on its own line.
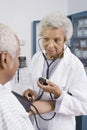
<point x="60" y="75"/>
<point x="40" y="65"/>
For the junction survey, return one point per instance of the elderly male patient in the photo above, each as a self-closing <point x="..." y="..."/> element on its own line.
<point x="13" y="116"/>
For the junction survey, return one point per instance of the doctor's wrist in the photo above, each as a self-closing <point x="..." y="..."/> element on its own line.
<point x="58" y="94"/>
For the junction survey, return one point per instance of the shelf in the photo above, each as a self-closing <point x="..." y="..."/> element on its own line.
<point x="82" y="38"/>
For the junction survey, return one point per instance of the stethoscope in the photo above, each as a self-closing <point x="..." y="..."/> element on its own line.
<point x="48" y="67"/>
<point x="47" y="71"/>
<point x="39" y="97"/>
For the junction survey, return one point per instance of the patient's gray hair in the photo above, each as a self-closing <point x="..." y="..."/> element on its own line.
<point x="8" y="40"/>
<point x="57" y="20"/>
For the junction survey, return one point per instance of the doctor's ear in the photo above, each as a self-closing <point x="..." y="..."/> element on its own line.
<point x="4" y="59"/>
<point x="65" y="39"/>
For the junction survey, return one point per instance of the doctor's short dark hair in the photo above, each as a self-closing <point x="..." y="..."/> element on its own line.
<point x="57" y="20"/>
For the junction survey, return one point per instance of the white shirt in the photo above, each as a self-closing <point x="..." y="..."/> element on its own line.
<point x="12" y="114"/>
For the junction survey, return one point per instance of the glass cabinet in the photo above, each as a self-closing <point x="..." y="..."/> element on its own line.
<point x="78" y="46"/>
<point x="79" y="39"/>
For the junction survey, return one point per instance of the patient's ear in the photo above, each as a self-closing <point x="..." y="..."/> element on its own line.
<point x="4" y="59"/>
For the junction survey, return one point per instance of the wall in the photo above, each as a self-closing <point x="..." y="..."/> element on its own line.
<point x="75" y="6"/>
<point x="20" y="13"/>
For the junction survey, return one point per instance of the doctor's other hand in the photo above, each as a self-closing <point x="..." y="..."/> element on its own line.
<point x="29" y="93"/>
<point x="51" y="88"/>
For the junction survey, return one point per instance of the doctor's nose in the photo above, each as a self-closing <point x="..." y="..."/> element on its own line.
<point x="51" y="43"/>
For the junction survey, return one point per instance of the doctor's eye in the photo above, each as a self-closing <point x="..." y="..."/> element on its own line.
<point x="46" y="39"/>
<point x="57" y="40"/>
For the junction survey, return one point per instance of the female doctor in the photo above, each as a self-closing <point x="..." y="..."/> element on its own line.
<point x="65" y="75"/>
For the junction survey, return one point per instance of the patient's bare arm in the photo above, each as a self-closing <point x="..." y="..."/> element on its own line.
<point x="43" y="106"/>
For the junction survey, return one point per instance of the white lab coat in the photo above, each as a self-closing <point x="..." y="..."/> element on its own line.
<point x="70" y="76"/>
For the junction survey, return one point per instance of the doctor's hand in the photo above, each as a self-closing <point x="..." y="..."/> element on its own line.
<point x="29" y="94"/>
<point x="51" y="88"/>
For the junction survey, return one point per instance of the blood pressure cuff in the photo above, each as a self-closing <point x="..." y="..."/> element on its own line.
<point x="24" y="101"/>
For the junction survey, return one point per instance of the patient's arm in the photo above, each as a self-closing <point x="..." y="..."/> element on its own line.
<point x="43" y="106"/>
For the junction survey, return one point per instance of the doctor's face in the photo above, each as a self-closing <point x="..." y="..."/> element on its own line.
<point x="53" y="41"/>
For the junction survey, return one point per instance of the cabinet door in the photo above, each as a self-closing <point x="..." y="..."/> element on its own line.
<point x="79" y="39"/>
<point x="81" y="123"/>
<point x="79" y="48"/>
